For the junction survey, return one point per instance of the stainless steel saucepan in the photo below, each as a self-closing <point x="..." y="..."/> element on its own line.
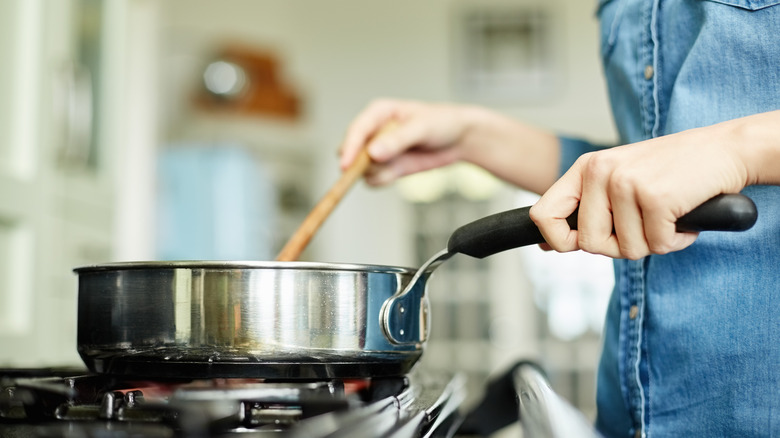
<point x="290" y="320"/>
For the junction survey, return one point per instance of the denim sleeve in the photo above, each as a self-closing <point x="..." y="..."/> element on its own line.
<point x="572" y="148"/>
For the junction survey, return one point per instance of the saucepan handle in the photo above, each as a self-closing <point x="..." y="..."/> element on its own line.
<point x="514" y="228"/>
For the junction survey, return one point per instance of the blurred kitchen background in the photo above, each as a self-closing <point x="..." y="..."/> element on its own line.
<point x="194" y="129"/>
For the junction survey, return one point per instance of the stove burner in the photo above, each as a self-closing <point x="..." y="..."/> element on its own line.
<point x="52" y="403"/>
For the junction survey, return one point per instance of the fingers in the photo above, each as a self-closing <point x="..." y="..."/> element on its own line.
<point x="424" y="136"/>
<point x="644" y="221"/>
<point x="393" y="143"/>
<point x="612" y="218"/>
<point x="629" y="239"/>
<point x="628" y="222"/>
<point x="550" y="212"/>
<point x="661" y="233"/>
<point x="365" y="125"/>
<point x="545" y="247"/>
<point x="412" y="161"/>
<point x="368" y="130"/>
<point x="595" y="218"/>
<point x="619" y="216"/>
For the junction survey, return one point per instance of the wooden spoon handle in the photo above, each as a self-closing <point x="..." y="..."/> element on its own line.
<point x="297" y="243"/>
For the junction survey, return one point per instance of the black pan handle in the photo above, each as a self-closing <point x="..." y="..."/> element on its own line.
<point x="514" y="228"/>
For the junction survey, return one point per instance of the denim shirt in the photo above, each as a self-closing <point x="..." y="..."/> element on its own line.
<point x="692" y="338"/>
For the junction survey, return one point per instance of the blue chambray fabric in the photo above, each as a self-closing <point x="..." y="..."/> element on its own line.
<point x="700" y="353"/>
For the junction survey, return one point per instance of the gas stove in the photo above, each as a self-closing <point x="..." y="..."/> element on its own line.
<point x="72" y="402"/>
<point x="76" y="403"/>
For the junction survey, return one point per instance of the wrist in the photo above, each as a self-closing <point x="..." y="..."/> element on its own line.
<point x="513" y="151"/>
<point x="476" y="122"/>
<point x="756" y="140"/>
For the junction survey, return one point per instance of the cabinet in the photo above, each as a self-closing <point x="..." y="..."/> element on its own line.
<point x="61" y="131"/>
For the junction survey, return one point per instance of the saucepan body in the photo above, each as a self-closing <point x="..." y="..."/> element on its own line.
<point x="244" y="319"/>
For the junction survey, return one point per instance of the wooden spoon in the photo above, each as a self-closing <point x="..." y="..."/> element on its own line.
<point x="297" y="243"/>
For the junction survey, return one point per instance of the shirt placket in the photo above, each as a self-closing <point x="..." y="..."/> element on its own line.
<point x="636" y="370"/>
<point x="648" y="69"/>
<point x="632" y="340"/>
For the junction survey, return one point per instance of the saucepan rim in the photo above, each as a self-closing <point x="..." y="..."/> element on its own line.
<point x="246" y="264"/>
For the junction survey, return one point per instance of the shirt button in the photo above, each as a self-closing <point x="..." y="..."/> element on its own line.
<point x="649" y="72"/>
<point x="633" y="312"/>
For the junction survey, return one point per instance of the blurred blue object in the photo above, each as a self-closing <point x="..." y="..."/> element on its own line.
<point x="214" y="202"/>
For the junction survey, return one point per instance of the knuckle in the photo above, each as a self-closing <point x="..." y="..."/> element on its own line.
<point x="623" y="182"/>
<point x="563" y="244"/>
<point x="536" y="213"/>
<point x="597" y="163"/>
<point x="650" y="198"/>
<point x="555" y="236"/>
<point x="586" y="242"/>
<point x="632" y="252"/>
<point x="663" y="246"/>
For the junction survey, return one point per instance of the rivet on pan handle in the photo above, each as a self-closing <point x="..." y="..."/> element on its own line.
<point x="404" y="316"/>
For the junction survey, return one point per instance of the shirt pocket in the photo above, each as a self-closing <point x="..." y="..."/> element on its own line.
<point x="610" y="14"/>
<point x="750" y="5"/>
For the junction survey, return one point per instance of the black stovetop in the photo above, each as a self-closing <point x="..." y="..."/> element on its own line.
<point x="75" y="403"/>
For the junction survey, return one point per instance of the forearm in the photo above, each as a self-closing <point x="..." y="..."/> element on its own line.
<point x="630" y="197"/>
<point x="523" y="155"/>
<point x="756" y="141"/>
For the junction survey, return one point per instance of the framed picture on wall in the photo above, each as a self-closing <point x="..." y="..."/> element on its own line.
<point x="504" y="53"/>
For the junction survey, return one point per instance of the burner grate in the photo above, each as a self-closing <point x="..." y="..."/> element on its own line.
<point x="36" y="404"/>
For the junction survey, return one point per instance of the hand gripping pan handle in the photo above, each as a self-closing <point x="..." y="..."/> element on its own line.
<point x="514" y="228"/>
<point x="404" y="315"/>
